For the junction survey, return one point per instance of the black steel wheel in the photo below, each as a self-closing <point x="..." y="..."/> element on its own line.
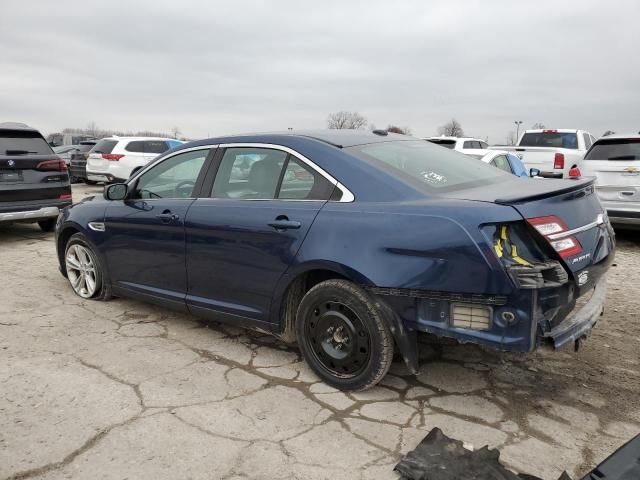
<point x="343" y="335"/>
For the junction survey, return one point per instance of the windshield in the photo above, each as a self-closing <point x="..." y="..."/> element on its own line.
<point x="549" y="139"/>
<point x="427" y="166"/>
<point x="618" y="149"/>
<point x="450" y="144"/>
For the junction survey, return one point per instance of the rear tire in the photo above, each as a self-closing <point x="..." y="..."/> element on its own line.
<point x="85" y="271"/>
<point x="47" y="225"/>
<point x="344" y="336"/>
<point x="89" y="182"/>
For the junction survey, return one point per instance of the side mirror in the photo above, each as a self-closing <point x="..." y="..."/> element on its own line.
<point x="116" y="191"/>
<point x="534" y="172"/>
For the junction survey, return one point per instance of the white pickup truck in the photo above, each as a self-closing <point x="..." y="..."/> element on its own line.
<point x="553" y="152"/>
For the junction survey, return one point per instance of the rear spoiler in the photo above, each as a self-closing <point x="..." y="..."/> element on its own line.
<point x="539" y="189"/>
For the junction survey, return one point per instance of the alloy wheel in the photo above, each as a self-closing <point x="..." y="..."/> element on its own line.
<point x="81" y="271"/>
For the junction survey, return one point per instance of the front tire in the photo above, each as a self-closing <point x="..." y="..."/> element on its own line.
<point x="47" y="225"/>
<point x="344" y="336"/>
<point x="85" y="271"/>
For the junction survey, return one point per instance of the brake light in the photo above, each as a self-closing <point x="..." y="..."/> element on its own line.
<point x="574" y="172"/>
<point x="65" y="196"/>
<point x="558" y="161"/>
<point x="549" y="131"/>
<point x="52" y="166"/>
<point x="112" y="157"/>
<point x="552" y="228"/>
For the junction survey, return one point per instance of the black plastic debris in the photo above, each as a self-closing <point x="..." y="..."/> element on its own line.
<point x="439" y="457"/>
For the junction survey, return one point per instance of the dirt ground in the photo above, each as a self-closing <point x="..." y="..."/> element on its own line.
<point x="122" y="389"/>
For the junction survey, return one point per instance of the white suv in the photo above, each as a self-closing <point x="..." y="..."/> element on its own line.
<point x="468" y="145"/>
<point x="114" y="159"/>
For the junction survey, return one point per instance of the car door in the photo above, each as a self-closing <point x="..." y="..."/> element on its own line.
<point x="615" y="163"/>
<point x="144" y="234"/>
<point x="241" y="240"/>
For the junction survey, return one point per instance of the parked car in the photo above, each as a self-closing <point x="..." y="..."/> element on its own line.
<point x="114" y="159"/>
<point x="615" y="162"/>
<point x="349" y="242"/>
<point x="467" y="145"/>
<point x="504" y="161"/>
<point x="34" y="184"/>
<point x="64" y="152"/>
<point x="554" y="152"/>
<point x="78" y="161"/>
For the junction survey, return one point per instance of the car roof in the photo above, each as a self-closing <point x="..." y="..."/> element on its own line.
<point x="16" y="126"/>
<point x="138" y="138"/>
<point x="338" y="138"/>
<point x="455" y="138"/>
<point x="632" y="136"/>
<point x="550" y="130"/>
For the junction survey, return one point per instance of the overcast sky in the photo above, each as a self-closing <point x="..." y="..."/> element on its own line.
<point x="213" y="68"/>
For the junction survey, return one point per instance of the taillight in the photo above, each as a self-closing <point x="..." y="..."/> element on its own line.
<point x="52" y="166"/>
<point x="574" y="172"/>
<point x="65" y="196"/>
<point x="558" y="161"/>
<point x="112" y="157"/>
<point x="552" y="228"/>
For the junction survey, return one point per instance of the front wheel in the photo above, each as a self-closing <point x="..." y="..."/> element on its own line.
<point x="84" y="269"/>
<point x="344" y="336"/>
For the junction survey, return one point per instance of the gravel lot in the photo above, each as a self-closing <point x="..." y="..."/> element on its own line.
<point x="122" y="389"/>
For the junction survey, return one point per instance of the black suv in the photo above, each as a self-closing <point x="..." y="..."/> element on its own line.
<point x="78" y="161"/>
<point x="34" y="183"/>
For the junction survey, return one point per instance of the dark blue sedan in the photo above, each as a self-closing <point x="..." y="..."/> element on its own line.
<point x="348" y="243"/>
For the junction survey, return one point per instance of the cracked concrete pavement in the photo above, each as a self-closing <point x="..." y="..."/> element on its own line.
<point x="122" y="389"/>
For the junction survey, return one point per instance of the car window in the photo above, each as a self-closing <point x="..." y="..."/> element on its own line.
<point x="427" y="167"/>
<point x="587" y="141"/>
<point x="155" y="146"/>
<point x="549" y="138"/>
<point x="18" y="142"/>
<point x="469" y="144"/>
<point x="483" y="145"/>
<point x="450" y="144"/>
<point x="249" y="173"/>
<point x="615" y="149"/>
<point x="104" y="146"/>
<point x="301" y="182"/>
<point x="136" y="146"/>
<point x="502" y="163"/>
<point x="174" y="177"/>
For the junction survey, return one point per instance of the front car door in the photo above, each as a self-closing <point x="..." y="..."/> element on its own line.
<point x="241" y="240"/>
<point x="145" y="235"/>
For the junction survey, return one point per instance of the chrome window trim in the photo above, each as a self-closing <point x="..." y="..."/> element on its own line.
<point x="347" y="196"/>
<point x="584" y="228"/>
<point x="147" y="167"/>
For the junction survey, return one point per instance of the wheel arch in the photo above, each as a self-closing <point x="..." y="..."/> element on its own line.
<point x="61" y="243"/>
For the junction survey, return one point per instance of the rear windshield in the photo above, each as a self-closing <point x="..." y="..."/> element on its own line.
<point x="16" y="142"/>
<point x="85" y="147"/>
<point x="549" y="139"/>
<point x="615" y="149"/>
<point x="104" y="146"/>
<point x="450" y="144"/>
<point x="427" y="166"/>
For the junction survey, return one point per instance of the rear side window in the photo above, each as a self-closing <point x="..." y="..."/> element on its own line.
<point x="471" y="144"/>
<point x="450" y="144"/>
<point x="615" y="149"/>
<point x="17" y="142"/>
<point x="301" y="182"/>
<point x="549" y="139"/>
<point x="104" y="146"/>
<point x="155" y="146"/>
<point x="136" y="146"/>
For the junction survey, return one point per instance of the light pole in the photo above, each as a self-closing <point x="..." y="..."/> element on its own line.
<point x="518" y="123"/>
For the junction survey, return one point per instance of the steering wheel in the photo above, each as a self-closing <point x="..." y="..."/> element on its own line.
<point x="178" y="190"/>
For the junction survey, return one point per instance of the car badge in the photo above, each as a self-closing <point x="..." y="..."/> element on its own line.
<point x="11" y="163"/>
<point x="583" y="277"/>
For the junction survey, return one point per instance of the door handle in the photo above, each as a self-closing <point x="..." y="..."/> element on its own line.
<point x="283" y="223"/>
<point x="167" y="216"/>
<point x="628" y="193"/>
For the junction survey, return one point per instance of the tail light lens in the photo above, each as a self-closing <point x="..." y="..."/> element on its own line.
<point x="112" y="157"/>
<point x="558" y="161"/>
<point x="52" y="166"/>
<point x="552" y="228"/>
<point x="574" y="173"/>
<point x="65" y="196"/>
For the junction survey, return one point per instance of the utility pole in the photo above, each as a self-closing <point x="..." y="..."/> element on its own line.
<point x="518" y="123"/>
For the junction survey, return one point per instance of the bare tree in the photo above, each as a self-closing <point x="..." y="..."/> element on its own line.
<point x="538" y="126"/>
<point x="346" y="120"/>
<point x="92" y="129"/>
<point x="451" y="129"/>
<point x="511" y="138"/>
<point x="396" y="129"/>
<point x="175" y="132"/>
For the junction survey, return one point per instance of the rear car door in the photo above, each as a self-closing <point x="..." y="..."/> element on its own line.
<point x="615" y="163"/>
<point x="241" y="240"/>
<point x="32" y="177"/>
<point x="144" y="234"/>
